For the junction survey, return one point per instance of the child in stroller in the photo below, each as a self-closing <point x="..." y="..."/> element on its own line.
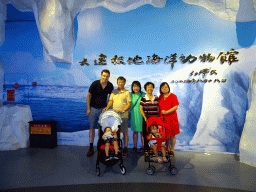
<point x="109" y="153"/>
<point x="155" y="143"/>
<point x="110" y="138"/>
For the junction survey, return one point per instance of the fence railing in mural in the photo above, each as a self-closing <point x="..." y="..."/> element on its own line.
<point x="229" y="56"/>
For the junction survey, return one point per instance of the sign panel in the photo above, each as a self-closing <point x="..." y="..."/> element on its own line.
<point x="10" y="95"/>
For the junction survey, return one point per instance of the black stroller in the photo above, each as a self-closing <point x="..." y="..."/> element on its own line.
<point x="149" y="151"/>
<point x="113" y="120"/>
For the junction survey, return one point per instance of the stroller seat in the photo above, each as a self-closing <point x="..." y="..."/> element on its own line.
<point x="112" y="119"/>
<point x="161" y="130"/>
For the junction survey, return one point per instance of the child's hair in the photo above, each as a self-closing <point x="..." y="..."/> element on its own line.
<point x="106" y="129"/>
<point x="151" y="127"/>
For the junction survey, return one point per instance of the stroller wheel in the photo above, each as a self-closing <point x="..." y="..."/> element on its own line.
<point x="150" y="171"/>
<point x="173" y="170"/>
<point x="153" y="167"/>
<point x="98" y="171"/>
<point x="122" y="169"/>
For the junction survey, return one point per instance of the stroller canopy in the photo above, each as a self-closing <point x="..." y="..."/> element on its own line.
<point x="110" y="118"/>
<point x="159" y="122"/>
<point x="155" y="121"/>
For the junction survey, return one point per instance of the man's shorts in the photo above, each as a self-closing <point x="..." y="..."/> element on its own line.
<point x="124" y="125"/>
<point x="111" y="141"/>
<point x="94" y="117"/>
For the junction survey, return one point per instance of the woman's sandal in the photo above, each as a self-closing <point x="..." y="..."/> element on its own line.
<point x="165" y="160"/>
<point x="171" y="153"/>
<point x="159" y="160"/>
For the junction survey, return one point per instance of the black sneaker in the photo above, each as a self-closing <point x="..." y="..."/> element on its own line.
<point x="141" y="150"/>
<point x="107" y="158"/>
<point x="90" y="152"/>
<point x="125" y="152"/>
<point x="134" y="150"/>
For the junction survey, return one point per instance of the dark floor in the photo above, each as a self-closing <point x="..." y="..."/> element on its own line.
<point x="69" y="169"/>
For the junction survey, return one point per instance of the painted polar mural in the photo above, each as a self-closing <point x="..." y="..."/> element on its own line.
<point x="181" y="44"/>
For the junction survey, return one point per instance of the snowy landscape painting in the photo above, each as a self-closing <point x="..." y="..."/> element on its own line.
<point x="213" y="95"/>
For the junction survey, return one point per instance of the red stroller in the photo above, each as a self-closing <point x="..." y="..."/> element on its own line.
<point x="149" y="150"/>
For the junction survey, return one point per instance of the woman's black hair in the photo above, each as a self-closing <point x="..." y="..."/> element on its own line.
<point x="162" y="84"/>
<point x="135" y="83"/>
<point x="149" y="83"/>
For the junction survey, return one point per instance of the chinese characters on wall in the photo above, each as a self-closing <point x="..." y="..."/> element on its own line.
<point x="202" y="72"/>
<point x="229" y="57"/>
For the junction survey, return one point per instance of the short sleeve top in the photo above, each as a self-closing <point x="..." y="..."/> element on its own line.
<point x="99" y="95"/>
<point x="150" y="107"/>
<point x="120" y="98"/>
<point x="168" y="103"/>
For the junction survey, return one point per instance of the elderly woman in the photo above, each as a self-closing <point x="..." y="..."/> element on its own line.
<point x="149" y="104"/>
<point x="168" y="104"/>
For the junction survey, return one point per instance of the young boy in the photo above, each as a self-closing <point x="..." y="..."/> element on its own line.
<point x="110" y="138"/>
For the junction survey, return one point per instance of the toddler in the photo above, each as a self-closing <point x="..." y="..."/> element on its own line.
<point x="153" y="143"/>
<point x="110" y="138"/>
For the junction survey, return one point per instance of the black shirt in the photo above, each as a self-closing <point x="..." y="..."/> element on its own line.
<point x="99" y="95"/>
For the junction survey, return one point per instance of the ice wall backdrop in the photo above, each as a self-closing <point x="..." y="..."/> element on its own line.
<point x="206" y="53"/>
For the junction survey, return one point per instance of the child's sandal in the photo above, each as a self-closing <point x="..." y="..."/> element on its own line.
<point x="165" y="160"/>
<point x="159" y="160"/>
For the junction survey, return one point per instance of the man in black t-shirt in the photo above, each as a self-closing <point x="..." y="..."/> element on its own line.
<point x="96" y="101"/>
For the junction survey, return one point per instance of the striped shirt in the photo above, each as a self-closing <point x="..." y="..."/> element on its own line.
<point x="150" y="107"/>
